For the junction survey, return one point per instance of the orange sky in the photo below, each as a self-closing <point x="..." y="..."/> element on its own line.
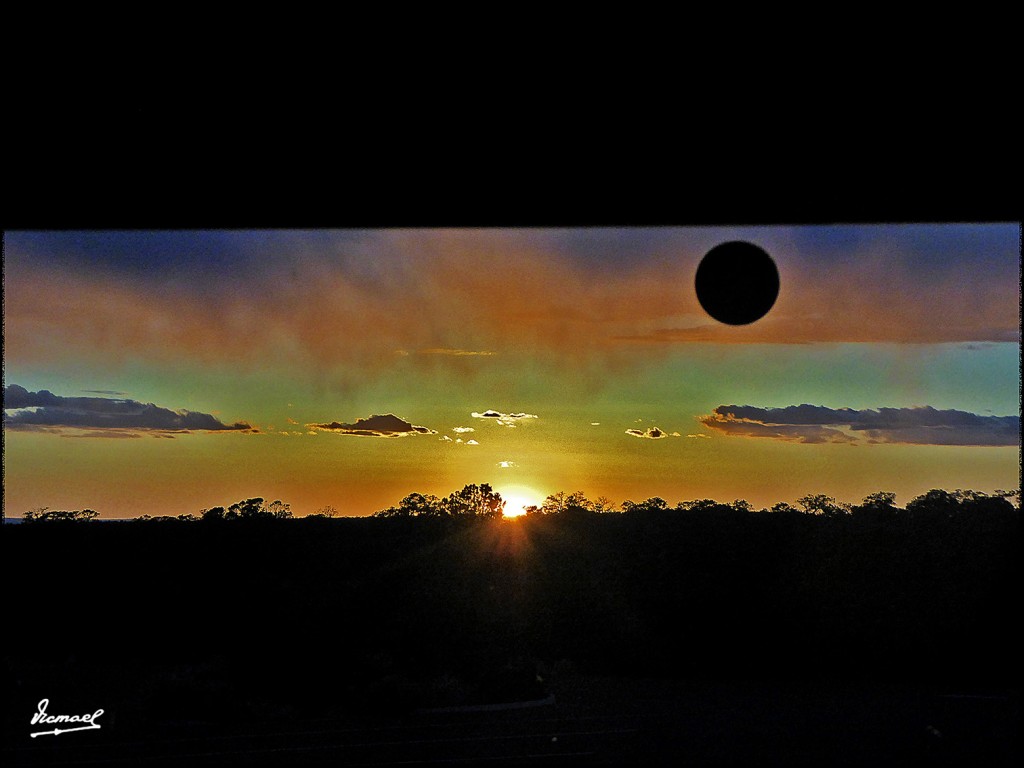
<point x="596" y="332"/>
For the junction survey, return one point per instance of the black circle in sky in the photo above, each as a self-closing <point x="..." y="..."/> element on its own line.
<point x="737" y="282"/>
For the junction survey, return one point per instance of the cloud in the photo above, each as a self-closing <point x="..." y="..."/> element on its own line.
<point x="164" y="298"/>
<point x="386" y="425"/>
<point x="504" y="419"/>
<point x="456" y="352"/>
<point x="507" y="464"/>
<point x="458" y="440"/>
<point x="102" y="416"/>
<point x="118" y="434"/>
<point x="917" y="425"/>
<point x="699" y="434"/>
<point x="462" y="430"/>
<point x="447" y="352"/>
<point x="651" y="433"/>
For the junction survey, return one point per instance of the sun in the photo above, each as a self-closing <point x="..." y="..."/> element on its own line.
<point x="518" y="498"/>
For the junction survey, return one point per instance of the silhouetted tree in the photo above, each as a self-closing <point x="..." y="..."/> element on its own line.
<point x="578" y="505"/>
<point x="166" y="519"/>
<point x="249" y="509"/>
<point x="474" y="501"/>
<point x="820" y="504"/>
<point x="278" y="510"/>
<point x="936" y="504"/>
<point x="880" y="500"/>
<point x="554" y="503"/>
<point x="575" y="503"/>
<point x="325" y="512"/>
<point x="653" y="504"/>
<point x="416" y="505"/>
<point x="784" y="509"/>
<point x="710" y="506"/>
<point x="561" y="503"/>
<point x="975" y="503"/>
<point x="213" y="514"/>
<point x="45" y="515"/>
<point x="878" y="506"/>
<point x="422" y="505"/>
<point x="697" y="505"/>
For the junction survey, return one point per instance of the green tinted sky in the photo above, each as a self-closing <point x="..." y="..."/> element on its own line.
<point x="592" y="331"/>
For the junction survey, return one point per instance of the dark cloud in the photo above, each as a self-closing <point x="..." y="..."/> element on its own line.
<point x="386" y="425"/>
<point x="45" y="411"/>
<point x="787" y="432"/>
<point x="486" y="415"/>
<point x="651" y="433"/>
<point x="504" y="419"/>
<point x="919" y="425"/>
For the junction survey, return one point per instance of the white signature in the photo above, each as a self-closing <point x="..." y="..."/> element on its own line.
<point x="45" y="719"/>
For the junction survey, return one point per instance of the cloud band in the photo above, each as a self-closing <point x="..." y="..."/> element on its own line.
<point x="918" y="425"/>
<point x="45" y="411"/>
<point x="385" y="425"/>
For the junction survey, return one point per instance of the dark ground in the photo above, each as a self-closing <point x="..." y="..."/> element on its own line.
<point x="597" y="721"/>
<point x="670" y="638"/>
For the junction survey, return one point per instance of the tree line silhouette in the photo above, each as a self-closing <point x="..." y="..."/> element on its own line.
<point x="483" y="502"/>
<point x="480" y="501"/>
<point x="436" y="595"/>
<point x="46" y="515"/>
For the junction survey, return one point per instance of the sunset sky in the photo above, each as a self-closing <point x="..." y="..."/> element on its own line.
<point x="167" y="372"/>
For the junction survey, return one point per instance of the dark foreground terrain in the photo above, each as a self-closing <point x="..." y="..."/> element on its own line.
<point x="663" y="638"/>
<point x="594" y="721"/>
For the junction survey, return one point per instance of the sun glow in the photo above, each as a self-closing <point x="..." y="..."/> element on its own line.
<point x="518" y="498"/>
